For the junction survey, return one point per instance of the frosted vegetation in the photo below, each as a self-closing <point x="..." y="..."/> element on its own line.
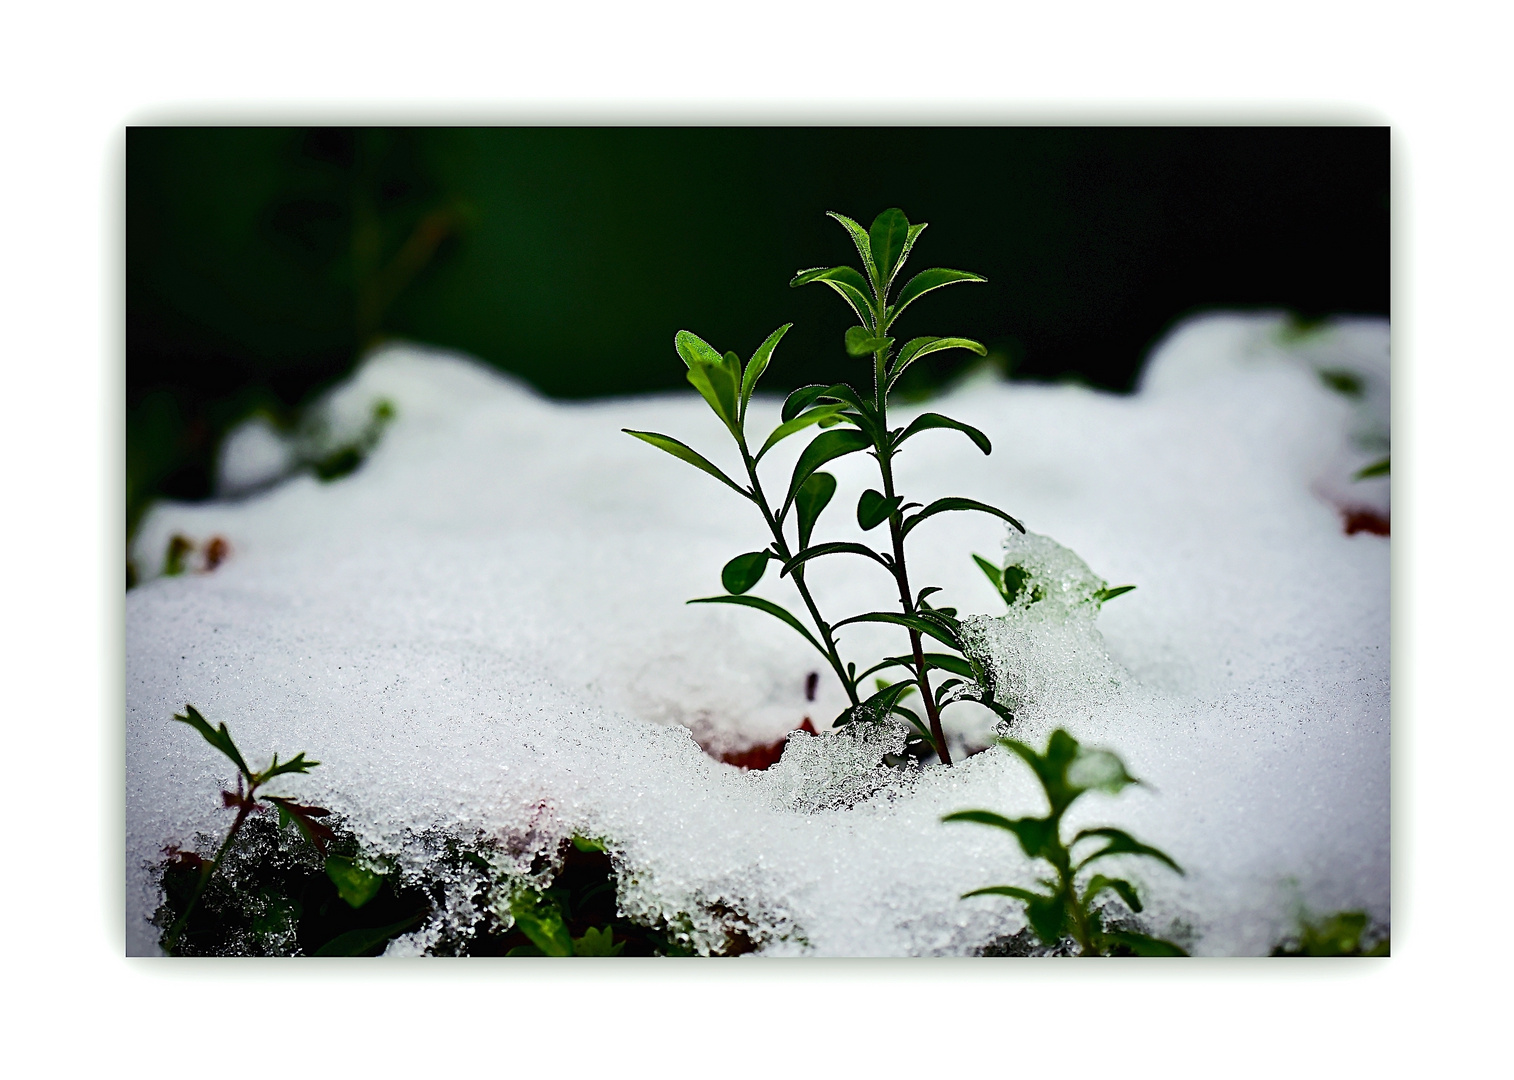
<point x="480" y="632"/>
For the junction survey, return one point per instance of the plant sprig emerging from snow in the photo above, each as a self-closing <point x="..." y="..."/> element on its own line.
<point x="850" y="422"/>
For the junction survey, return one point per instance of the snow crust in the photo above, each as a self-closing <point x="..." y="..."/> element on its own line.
<point x="482" y="632"/>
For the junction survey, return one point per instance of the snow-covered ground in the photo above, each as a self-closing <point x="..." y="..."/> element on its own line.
<point x="483" y="630"/>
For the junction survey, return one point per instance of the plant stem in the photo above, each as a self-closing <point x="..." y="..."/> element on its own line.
<point x="798" y="575"/>
<point x="901" y="572"/>
<point x="205" y="876"/>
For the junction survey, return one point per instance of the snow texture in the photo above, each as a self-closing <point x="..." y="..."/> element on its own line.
<point x="482" y="632"/>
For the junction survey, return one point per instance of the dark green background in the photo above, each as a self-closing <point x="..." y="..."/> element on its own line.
<point x="571" y="256"/>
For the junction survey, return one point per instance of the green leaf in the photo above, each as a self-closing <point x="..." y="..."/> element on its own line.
<point x="717" y="384"/>
<point x="694" y="349"/>
<point x="525" y="950"/>
<point x="861" y="342"/>
<point x="597" y="943"/>
<point x="863" y="242"/>
<point x="875" y="708"/>
<point x="818" y="550"/>
<point x="354" y="883"/>
<point x="1142" y="944"/>
<point x="685" y="453"/>
<point x="1007" y="890"/>
<point x="1103" y="596"/>
<point x="220" y="738"/>
<point x="801" y="399"/>
<point x="1118" y="842"/>
<point x="941" y="506"/>
<point x="827" y="446"/>
<point x="1037" y="836"/>
<point x="296" y="764"/>
<point x="541" y="921"/>
<point x="925" y="421"/>
<point x="1048" y="918"/>
<point x="587" y="844"/>
<point x="992" y="572"/>
<point x="886" y="240"/>
<point x="915" y="348"/>
<point x="913" y="622"/>
<point x="366" y="942"/>
<point x="758" y="364"/>
<point x="797" y="424"/>
<point x="924" y="282"/>
<point x="954" y="664"/>
<point x="1098" y="770"/>
<point x="873" y="509"/>
<point x="1377" y="468"/>
<point x="744" y="571"/>
<point x="814" y="495"/>
<point x="1127" y="892"/>
<point x="851" y="286"/>
<point x="768" y="606"/>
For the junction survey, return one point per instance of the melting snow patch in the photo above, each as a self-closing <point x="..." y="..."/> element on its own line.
<point x="481" y="633"/>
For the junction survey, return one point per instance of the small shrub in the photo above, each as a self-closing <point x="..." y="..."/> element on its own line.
<point x="1073" y="904"/>
<point x="850" y="421"/>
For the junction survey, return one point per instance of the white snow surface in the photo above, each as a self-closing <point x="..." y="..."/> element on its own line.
<point x="483" y="631"/>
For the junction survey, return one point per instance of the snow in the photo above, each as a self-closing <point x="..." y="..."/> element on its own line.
<point x="483" y="631"/>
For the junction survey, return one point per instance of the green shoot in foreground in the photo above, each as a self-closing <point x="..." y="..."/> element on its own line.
<point x="1067" y="907"/>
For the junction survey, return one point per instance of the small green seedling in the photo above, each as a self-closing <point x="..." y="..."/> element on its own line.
<point x="354" y="882"/>
<point x="1068" y="907"/>
<point x="850" y="422"/>
<point x="1346" y="933"/>
<point x="1011" y="582"/>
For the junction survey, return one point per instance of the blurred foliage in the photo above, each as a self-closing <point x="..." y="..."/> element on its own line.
<point x="262" y="262"/>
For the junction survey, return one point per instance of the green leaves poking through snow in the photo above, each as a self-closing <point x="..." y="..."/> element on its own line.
<point x="827" y="446"/>
<point x="813" y="496"/>
<point x="850" y="422"/>
<point x="355" y="883"/>
<point x="1105" y="595"/>
<point x="599" y="942"/>
<point x="861" y="342"/>
<point x="1066" y="771"/>
<point x="926" y="421"/>
<point x="915" y="348"/>
<point x="220" y="738"/>
<point x="744" y="571"/>
<point x="873" y="509"/>
<point x="685" y="453"/>
<point x="941" y="506"/>
<point x="922" y="283"/>
<point x="541" y="921"/>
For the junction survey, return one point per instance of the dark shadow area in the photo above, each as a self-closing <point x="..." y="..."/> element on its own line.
<point x="262" y="262"/>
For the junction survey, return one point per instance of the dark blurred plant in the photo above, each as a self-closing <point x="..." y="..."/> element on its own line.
<point x="1346" y="933"/>
<point x="855" y="423"/>
<point x="1073" y="903"/>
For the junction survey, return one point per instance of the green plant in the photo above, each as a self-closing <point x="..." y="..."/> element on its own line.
<point x="1074" y="904"/>
<point x="355" y="882"/>
<point x="851" y="422"/>
<point x="1346" y="933"/>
